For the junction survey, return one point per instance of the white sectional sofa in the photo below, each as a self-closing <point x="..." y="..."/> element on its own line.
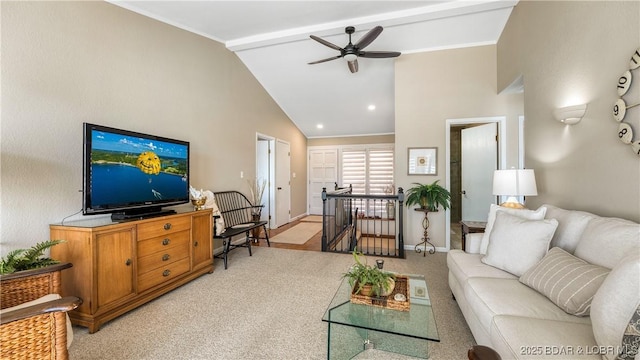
<point x="596" y="276"/>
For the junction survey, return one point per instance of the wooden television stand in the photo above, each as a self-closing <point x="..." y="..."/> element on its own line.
<point x="118" y="266"/>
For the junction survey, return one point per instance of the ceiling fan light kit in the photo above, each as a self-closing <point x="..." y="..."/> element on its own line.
<point x="351" y="51"/>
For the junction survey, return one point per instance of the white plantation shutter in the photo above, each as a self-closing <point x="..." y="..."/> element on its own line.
<point x="354" y="170"/>
<point x="368" y="171"/>
<point x="380" y="172"/>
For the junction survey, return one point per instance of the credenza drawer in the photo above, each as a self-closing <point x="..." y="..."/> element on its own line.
<point x="163" y="258"/>
<point x="163" y="274"/>
<point x="162" y="227"/>
<point x="162" y="243"/>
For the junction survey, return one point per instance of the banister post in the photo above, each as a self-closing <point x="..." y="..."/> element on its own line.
<point x="401" y="222"/>
<point x="324" y="216"/>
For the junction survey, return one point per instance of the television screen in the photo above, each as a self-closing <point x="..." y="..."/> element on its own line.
<point x="133" y="172"/>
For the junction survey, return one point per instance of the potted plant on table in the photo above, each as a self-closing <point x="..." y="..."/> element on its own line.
<point x="428" y="196"/>
<point x="369" y="280"/>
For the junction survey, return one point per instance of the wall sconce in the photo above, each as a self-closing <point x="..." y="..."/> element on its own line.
<point x="512" y="183"/>
<point x="570" y="115"/>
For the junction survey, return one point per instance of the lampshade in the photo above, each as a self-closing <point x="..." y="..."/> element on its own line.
<point x="512" y="183"/>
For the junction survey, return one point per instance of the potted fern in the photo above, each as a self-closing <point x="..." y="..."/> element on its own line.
<point x="27" y="259"/>
<point x="368" y="280"/>
<point x="428" y="196"/>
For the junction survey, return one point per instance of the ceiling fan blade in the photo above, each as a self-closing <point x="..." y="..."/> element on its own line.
<point x="379" y="54"/>
<point x="325" y="60"/>
<point x="325" y="43"/>
<point x="368" y="38"/>
<point x="353" y="66"/>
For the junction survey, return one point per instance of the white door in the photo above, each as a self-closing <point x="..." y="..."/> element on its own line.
<point x="479" y="160"/>
<point x="323" y="173"/>
<point x="283" y="184"/>
<point x="264" y="171"/>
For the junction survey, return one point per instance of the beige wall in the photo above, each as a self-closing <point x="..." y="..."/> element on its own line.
<point x="435" y="86"/>
<point x="571" y="53"/>
<point x="351" y="140"/>
<point x="65" y="63"/>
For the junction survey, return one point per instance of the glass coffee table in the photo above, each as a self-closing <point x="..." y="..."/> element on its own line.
<point x="354" y="328"/>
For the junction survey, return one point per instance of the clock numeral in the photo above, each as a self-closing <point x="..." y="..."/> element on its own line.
<point x="635" y="60"/>
<point x="625" y="133"/>
<point x="624" y="82"/>
<point x="636" y="147"/>
<point x="619" y="110"/>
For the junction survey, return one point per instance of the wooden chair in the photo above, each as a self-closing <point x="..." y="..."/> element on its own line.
<point x="38" y="331"/>
<point x="237" y="212"/>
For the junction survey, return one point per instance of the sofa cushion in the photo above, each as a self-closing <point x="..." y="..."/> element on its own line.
<point x="490" y="297"/>
<point x="516" y="337"/>
<point x="566" y="280"/>
<point x="523" y="213"/>
<point x="615" y="303"/>
<point x="595" y="245"/>
<point x="517" y="244"/>
<point x="571" y="226"/>
<point x="464" y="265"/>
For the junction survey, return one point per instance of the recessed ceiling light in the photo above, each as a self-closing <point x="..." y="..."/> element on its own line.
<point x="319" y="126"/>
<point x="371" y="107"/>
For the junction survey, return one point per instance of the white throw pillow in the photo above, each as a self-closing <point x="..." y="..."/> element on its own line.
<point x="615" y="304"/>
<point x="211" y="204"/>
<point x="494" y="209"/>
<point x="517" y="244"/>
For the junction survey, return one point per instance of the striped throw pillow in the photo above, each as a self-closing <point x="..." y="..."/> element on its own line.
<point x="569" y="282"/>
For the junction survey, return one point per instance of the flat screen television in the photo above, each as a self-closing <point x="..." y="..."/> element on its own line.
<point x="132" y="175"/>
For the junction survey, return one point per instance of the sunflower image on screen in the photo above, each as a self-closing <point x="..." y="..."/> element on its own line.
<point x="149" y="163"/>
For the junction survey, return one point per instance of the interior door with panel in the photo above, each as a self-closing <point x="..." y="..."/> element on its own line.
<point x="323" y="173"/>
<point x="283" y="183"/>
<point x="479" y="160"/>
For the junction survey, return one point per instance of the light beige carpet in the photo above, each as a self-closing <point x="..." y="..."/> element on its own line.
<point x="266" y="306"/>
<point x="298" y="234"/>
<point x="312" y="218"/>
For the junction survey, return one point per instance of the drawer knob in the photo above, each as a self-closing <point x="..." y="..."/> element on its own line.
<point x="165" y="257"/>
<point x="166" y="241"/>
<point x="167" y="226"/>
<point x="166" y="273"/>
<point x="128" y="262"/>
<point x="195" y="244"/>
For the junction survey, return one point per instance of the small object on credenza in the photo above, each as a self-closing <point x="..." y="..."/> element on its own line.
<point x="198" y="204"/>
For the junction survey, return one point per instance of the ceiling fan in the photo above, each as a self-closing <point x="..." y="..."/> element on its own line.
<point x="351" y="52"/>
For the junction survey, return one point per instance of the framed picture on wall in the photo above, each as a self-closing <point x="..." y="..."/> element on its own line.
<point x="422" y="161"/>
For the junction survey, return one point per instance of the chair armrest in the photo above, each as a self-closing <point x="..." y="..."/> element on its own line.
<point x="65" y="304"/>
<point x="472" y="243"/>
<point x="38" y="271"/>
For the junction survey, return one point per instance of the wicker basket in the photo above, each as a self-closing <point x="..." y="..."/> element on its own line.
<point x="387" y="302"/>
<point x="41" y="336"/>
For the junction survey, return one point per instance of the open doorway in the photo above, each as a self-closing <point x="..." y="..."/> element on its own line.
<point x="471" y="192"/>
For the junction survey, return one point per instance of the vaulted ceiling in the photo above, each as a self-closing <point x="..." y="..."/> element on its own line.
<point x="272" y="39"/>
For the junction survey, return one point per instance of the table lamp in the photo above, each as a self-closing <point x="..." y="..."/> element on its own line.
<point x="513" y="183"/>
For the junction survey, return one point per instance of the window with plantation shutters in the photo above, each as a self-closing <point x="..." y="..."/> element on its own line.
<point x="368" y="170"/>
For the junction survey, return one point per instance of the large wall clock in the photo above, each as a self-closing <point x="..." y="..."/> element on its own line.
<point x="625" y="131"/>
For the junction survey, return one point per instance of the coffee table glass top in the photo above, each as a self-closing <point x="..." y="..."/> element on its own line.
<point x="418" y="322"/>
